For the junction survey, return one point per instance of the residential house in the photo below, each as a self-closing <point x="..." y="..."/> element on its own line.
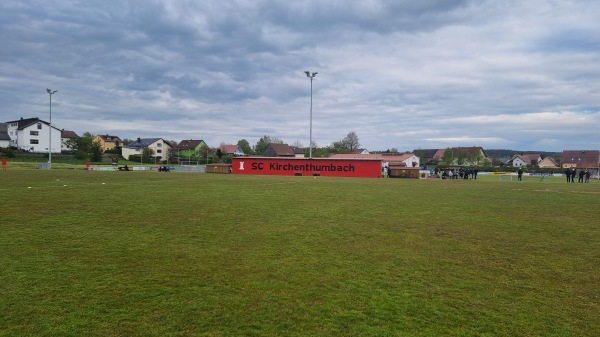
<point x="65" y="137"/>
<point x="34" y="135"/>
<point x="460" y="156"/>
<point x="360" y="151"/>
<point x="278" y="150"/>
<point x="426" y="156"/>
<point x="298" y="152"/>
<point x="388" y="159"/>
<point x="160" y="147"/>
<point x="4" y="137"/>
<point x="188" y="149"/>
<point x="581" y="159"/>
<point x="548" y="162"/>
<point x="232" y="150"/>
<point x="520" y="160"/>
<point x="108" y="142"/>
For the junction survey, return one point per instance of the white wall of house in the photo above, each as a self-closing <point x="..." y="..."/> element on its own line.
<point x="64" y="146"/>
<point x="128" y="151"/>
<point x="160" y="148"/>
<point x="518" y="162"/>
<point x="35" y="138"/>
<point x="412" y="159"/>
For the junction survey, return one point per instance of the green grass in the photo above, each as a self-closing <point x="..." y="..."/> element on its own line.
<point x="183" y="254"/>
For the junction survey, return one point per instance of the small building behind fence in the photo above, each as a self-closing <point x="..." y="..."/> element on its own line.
<point x="218" y="168"/>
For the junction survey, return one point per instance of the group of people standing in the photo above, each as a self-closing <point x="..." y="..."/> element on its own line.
<point x="461" y="173"/>
<point x="584" y="175"/>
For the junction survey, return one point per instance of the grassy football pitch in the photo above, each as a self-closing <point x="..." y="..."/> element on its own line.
<point x="184" y="254"/>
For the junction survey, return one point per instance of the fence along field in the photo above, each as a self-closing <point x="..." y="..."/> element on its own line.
<point x="148" y="253"/>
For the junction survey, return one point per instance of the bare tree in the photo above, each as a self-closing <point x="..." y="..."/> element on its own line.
<point x="350" y="142"/>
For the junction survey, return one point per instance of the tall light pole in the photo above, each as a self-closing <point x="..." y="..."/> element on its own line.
<point x="311" y="76"/>
<point x="50" y="93"/>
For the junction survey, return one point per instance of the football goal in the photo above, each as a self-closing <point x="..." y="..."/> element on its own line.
<point x="506" y="177"/>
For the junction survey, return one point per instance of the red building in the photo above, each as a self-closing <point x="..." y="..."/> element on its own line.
<point x="307" y="167"/>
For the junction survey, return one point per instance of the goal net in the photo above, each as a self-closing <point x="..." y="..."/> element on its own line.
<point x="506" y="177"/>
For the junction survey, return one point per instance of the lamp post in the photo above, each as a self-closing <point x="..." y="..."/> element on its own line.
<point x="50" y="93"/>
<point x="311" y="76"/>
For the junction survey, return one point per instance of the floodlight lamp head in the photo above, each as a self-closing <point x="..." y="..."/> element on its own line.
<point x="307" y="73"/>
<point x="48" y="90"/>
<point x="314" y="74"/>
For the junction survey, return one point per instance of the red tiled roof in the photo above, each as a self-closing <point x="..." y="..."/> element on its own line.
<point x="68" y="134"/>
<point x="527" y="158"/>
<point x="229" y="149"/>
<point x="581" y="158"/>
<point x="280" y="149"/>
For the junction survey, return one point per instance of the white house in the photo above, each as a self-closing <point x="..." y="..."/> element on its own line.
<point x="34" y="135"/>
<point x="65" y="137"/>
<point x="160" y="147"/>
<point x="520" y="160"/>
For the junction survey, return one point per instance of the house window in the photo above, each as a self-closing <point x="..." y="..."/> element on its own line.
<point x="159" y="145"/>
<point x="39" y="126"/>
<point x="33" y="141"/>
<point x="33" y="133"/>
<point x="158" y="151"/>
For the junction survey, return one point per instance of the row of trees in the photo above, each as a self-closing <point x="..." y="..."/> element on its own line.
<point x="346" y="145"/>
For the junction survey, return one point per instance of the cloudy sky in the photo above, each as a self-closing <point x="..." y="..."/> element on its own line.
<point x="405" y="74"/>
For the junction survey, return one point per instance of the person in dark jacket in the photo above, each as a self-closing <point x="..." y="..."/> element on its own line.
<point x="573" y="174"/>
<point x="568" y="174"/>
<point x="520" y="173"/>
<point x="588" y="175"/>
<point x="581" y="175"/>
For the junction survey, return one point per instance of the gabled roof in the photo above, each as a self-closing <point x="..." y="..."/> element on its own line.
<point x="548" y="162"/>
<point x="531" y="158"/>
<point x="68" y="134"/>
<point x="426" y="153"/>
<point x="384" y="156"/>
<point x="581" y="158"/>
<point x="363" y="151"/>
<point x="189" y="144"/>
<point x="110" y="138"/>
<point x="394" y="159"/>
<point x="144" y="142"/>
<point x="278" y="150"/>
<point x="25" y="122"/>
<point x="229" y="149"/>
<point x="297" y="150"/>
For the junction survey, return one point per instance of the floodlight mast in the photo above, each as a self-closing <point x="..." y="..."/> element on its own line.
<point x="50" y="93"/>
<point x="311" y="76"/>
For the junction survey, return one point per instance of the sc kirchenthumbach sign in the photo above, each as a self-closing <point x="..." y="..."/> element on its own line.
<point x="307" y="167"/>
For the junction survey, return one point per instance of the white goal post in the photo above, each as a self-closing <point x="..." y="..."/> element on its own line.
<point x="506" y="177"/>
